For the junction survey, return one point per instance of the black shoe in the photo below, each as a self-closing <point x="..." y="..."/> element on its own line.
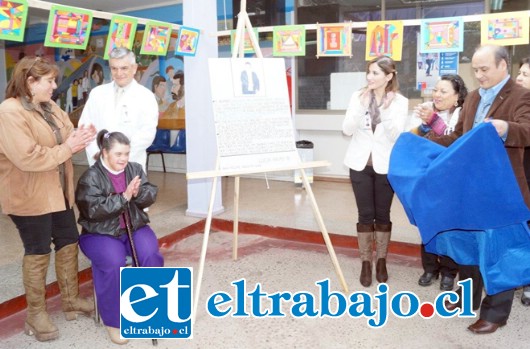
<point x="427" y="278"/>
<point x="524" y="299"/>
<point x="447" y="283"/>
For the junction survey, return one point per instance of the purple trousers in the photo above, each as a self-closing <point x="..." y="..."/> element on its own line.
<point x="107" y="254"/>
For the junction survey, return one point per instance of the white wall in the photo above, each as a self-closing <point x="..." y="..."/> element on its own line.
<point x="200" y="130"/>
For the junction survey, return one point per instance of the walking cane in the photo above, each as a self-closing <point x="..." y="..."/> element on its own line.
<point x="128" y="228"/>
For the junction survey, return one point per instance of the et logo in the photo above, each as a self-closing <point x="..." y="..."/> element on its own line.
<point x="156" y="302"/>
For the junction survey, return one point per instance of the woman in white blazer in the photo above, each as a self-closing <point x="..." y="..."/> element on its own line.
<point x="376" y="116"/>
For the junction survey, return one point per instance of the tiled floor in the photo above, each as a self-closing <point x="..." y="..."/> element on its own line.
<point x="279" y="265"/>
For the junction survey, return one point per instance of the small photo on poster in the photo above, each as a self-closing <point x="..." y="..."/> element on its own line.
<point x="248" y="78"/>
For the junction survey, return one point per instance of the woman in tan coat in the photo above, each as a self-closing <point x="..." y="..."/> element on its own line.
<point x="37" y="141"/>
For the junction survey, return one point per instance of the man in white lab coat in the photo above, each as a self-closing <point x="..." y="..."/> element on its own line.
<point x="122" y="105"/>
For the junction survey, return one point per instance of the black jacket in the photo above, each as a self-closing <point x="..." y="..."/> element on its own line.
<point x="100" y="206"/>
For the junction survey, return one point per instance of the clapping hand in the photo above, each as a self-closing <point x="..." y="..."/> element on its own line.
<point x="80" y="138"/>
<point x="133" y="188"/>
<point x="424" y="111"/>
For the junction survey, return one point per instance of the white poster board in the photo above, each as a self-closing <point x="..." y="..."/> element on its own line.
<point x="252" y="115"/>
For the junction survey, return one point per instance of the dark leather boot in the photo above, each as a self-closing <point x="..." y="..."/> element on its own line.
<point x="381" y="273"/>
<point x="366" y="274"/>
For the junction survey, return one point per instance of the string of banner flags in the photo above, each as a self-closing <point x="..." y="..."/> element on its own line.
<point x="69" y="27"/>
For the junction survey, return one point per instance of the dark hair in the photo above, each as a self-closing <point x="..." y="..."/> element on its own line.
<point x="156" y="81"/>
<point x="458" y="85"/>
<point x="98" y="69"/>
<point x="524" y="61"/>
<point x="35" y="67"/>
<point x="106" y="140"/>
<point x="179" y="75"/>
<point x="388" y="66"/>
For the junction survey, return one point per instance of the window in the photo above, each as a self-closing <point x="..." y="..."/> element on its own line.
<point x="319" y="80"/>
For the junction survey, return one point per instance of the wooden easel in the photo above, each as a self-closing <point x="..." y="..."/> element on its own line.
<point x="238" y="51"/>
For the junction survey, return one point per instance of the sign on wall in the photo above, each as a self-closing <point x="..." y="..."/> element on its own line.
<point x="334" y="39"/>
<point x="442" y="35"/>
<point x="384" y="38"/>
<point x="121" y="33"/>
<point x="13" y="15"/>
<point x="509" y="28"/>
<point x="156" y="38"/>
<point x="68" y="27"/>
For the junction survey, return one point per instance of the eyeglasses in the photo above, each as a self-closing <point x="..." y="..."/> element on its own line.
<point x="37" y="59"/>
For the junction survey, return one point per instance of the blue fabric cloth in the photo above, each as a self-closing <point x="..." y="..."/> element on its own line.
<point x="466" y="202"/>
<point x="503" y="254"/>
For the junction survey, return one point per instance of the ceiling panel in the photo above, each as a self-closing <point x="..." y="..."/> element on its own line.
<point x="116" y="6"/>
<point x="113" y="6"/>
